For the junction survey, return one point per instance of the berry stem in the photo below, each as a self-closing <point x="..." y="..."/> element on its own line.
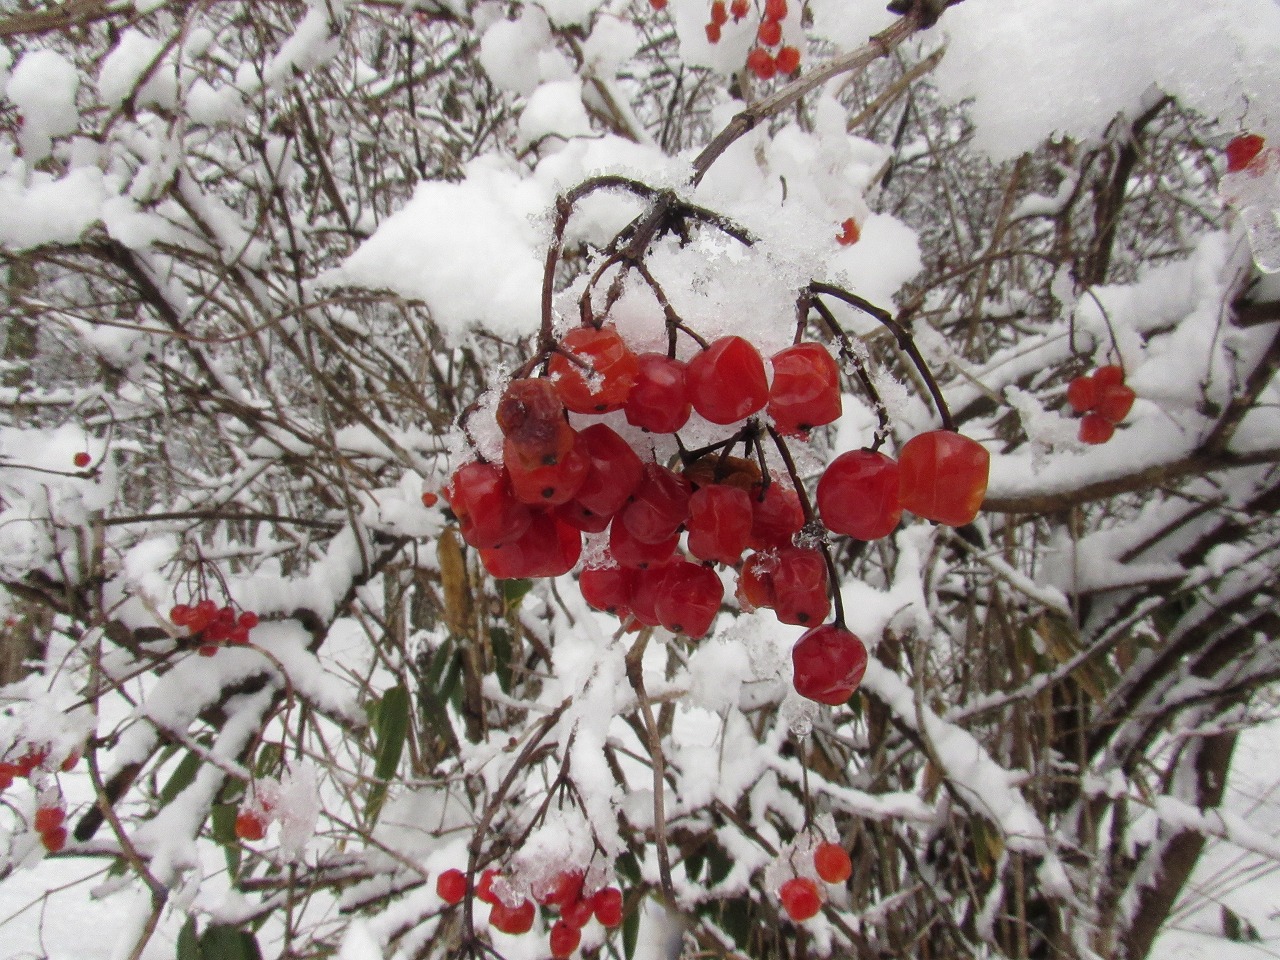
<point x="850" y="356"/>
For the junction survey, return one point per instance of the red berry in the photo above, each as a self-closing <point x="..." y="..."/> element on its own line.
<point x="659" y="505"/>
<point x="770" y="33"/>
<point x="608" y="906"/>
<point x="49" y="818"/>
<point x="608" y="588"/>
<point x="690" y="598"/>
<point x="578" y="913"/>
<point x="55" y="839"/>
<point x="513" y="920"/>
<point x="858" y="495"/>
<point x="580" y="518"/>
<point x="713" y="36"/>
<point x="727" y="381"/>
<point x="250" y="825"/>
<point x="564" y="939"/>
<point x="1115" y="402"/>
<point x="565" y="887"/>
<point x="800" y="898"/>
<point x="719" y="523"/>
<point x="1108" y="376"/>
<point x="207" y="650"/>
<point x="805" y="392"/>
<point x="69" y="763"/>
<point x="799" y="584"/>
<point x="180" y="615"/>
<point x="658" y="4"/>
<point x="827" y="664"/>
<point x="488" y="512"/>
<point x="719" y="13"/>
<point x="429" y="499"/>
<point x="943" y="476"/>
<point x="531" y="416"/>
<point x="739" y="9"/>
<point x="81" y="459"/>
<point x="34" y="757"/>
<point x="1082" y="394"/>
<point x="850" y="233"/>
<point x="614" y="471"/>
<point x="755" y="581"/>
<point x="606" y="380"/>
<point x="451" y="886"/>
<point x="761" y="63"/>
<point x="659" y="401"/>
<point x="548" y="485"/>
<point x="1095" y="429"/>
<point x="484" y="886"/>
<point x="8" y="772"/>
<point x="649" y="587"/>
<point x="1242" y="149"/>
<point x="832" y="863"/>
<point x="788" y="61"/>
<point x="548" y="548"/>
<point x="775" y="9"/>
<point x="777" y="516"/>
<point x="630" y="551"/>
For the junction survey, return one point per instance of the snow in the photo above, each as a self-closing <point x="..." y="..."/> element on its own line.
<point x="43" y="86"/>
<point x="128" y="62"/>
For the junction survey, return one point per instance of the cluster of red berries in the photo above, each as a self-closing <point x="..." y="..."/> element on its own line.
<point x="784" y="59"/>
<point x="801" y="897"/>
<point x="527" y="516"/>
<point x="50" y="813"/>
<point x="1104" y="401"/>
<point x="214" y="626"/>
<point x="849" y="233"/>
<point x="1243" y="150"/>
<point x="563" y="895"/>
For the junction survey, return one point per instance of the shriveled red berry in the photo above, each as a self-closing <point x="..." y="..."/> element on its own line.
<point x="531" y="417"/>
<point x="827" y="664"/>
<point x="451" y="886"/>
<point x="805" y="392"/>
<point x="513" y="920"/>
<point x="776" y="518"/>
<point x="1082" y="394"/>
<point x="659" y="400"/>
<point x="943" y="476"/>
<point x="727" y="381"/>
<point x="55" y="839"/>
<point x="719" y="523"/>
<point x="548" y="548"/>
<point x="713" y="32"/>
<point x="800" y="898"/>
<point x="564" y="939"/>
<point x="1108" y="376"/>
<point x="788" y="59"/>
<point x="858" y="495"/>
<point x="770" y="34"/>
<point x="250" y="825"/>
<point x="799" y="586"/>
<point x="1115" y="402"/>
<point x="629" y="551"/>
<point x="608" y="588"/>
<point x="761" y="63"/>
<point x="690" y="598"/>
<point x="1242" y="149"/>
<point x="832" y="863"/>
<point x="488" y="512"/>
<point x="659" y="505"/>
<point x="608" y="906"/>
<point x="1096" y="429"/>
<point x="614" y="470"/>
<point x="81" y="459"/>
<point x="429" y="499"/>
<point x="607" y="377"/>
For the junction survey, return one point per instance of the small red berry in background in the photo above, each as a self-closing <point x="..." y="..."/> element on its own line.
<point x="761" y="63"/>
<point x="484" y="886"/>
<point x="1108" y="376"/>
<point x="1096" y="429"/>
<point x="801" y="898"/>
<point x="607" y="905"/>
<point x="832" y="863"/>
<point x="775" y="9"/>
<point x="7" y="773"/>
<point x="429" y="499"/>
<point x="512" y="920"/>
<point x="564" y="939"/>
<point x="849" y="232"/>
<point x="451" y="886"/>
<point x="738" y="8"/>
<point x="578" y="914"/>
<point x="713" y="32"/>
<point x="1103" y="399"/>
<point x="82" y="459"/>
<point x="1082" y="394"/>
<point x="719" y="13"/>
<point x="250" y="825"/>
<point x="49" y="818"/>
<point x="55" y="839"/>
<point x="788" y="60"/>
<point x="1242" y="150"/>
<point x="658" y="4"/>
<point x="770" y="33"/>
<point x="828" y="663"/>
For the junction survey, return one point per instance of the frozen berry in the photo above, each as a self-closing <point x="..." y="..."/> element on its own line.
<point x="1096" y="429"/>
<point x="82" y="459"/>
<point x="727" y="381"/>
<point x="800" y="898"/>
<point x="832" y="863"/>
<point x="603" y="375"/>
<point x="250" y="825"/>
<point x="452" y="886"/>
<point x="827" y="664"/>
<point x="1242" y="149"/>
<point x="858" y="495"/>
<point x="564" y="939"/>
<point x="943" y="476"/>
<point x="608" y="906"/>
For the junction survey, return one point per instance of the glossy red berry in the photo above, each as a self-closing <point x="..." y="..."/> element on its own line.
<point x="565" y="887"/>
<point x="1242" y="149"/>
<point x="484" y="886"/>
<point x="659" y="401"/>
<point x="488" y="512"/>
<point x="689" y="599"/>
<point x="549" y="548"/>
<point x="429" y="499"/>
<point x="1108" y="376"/>
<point x="827" y="664"/>
<point x="614" y="471"/>
<point x="604" y="376"/>
<point x="82" y="459"/>
<point x="800" y="898"/>
<point x="943" y="476"/>
<point x="608" y="906"/>
<point x="761" y="63"/>
<point x="1096" y="429"/>
<point x="608" y="588"/>
<point x="788" y="60"/>
<point x="727" y="381"/>
<point x="180" y="615"/>
<point x="770" y="33"/>
<point x="776" y="516"/>
<point x="548" y="485"/>
<point x="577" y="914"/>
<point x="512" y="920"/>
<point x="719" y="523"/>
<point x="805" y="392"/>
<point x="451" y="886"/>
<point x="629" y="551"/>
<point x="564" y="939"/>
<point x="55" y="839"/>
<point x="858" y="495"/>
<point x="1115" y="402"/>
<point x="799" y="586"/>
<point x="849" y="232"/>
<point x="250" y="825"/>
<point x="832" y="863"/>
<point x="1082" y="394"/>
<point x="648" y="588"/>
<point x="659" y="505"/>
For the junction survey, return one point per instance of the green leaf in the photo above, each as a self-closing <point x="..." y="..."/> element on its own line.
<point x="228" y="943"/>
<point x="737" y="920"/>
<point x="224" y="832"/>
<point x="392" y="728"/>
<point x="513" y="591"/>
<point x="500" y="640"/>
<point x="627" y="867"/>
<point x="180" y="779"/>
<point x="720" y="864"/>
<point x="188" y="943"/>
<point x="630" y="930"/>
<point x="693" y="865"/>
<point x="270" y="756"/>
